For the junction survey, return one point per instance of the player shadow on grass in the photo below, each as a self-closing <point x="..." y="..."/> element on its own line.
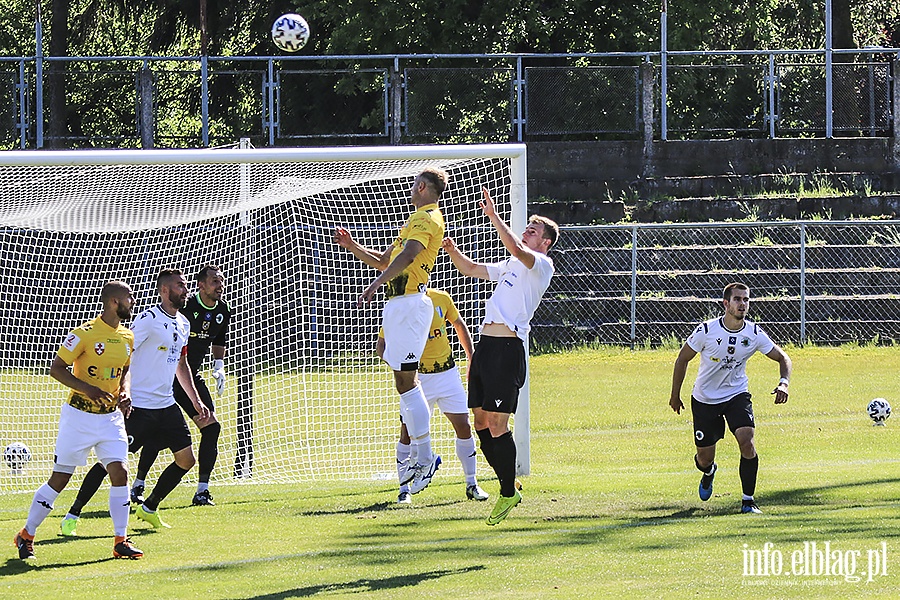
<point x="376" y="507"/>
<point x="16" y="566"/>
<point x="397" y="582"/>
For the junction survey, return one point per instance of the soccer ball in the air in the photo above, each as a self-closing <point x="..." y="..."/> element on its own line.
<point x="290" y="32"/>
<point x="879" y="410"/>
<point x="17" y="456"/>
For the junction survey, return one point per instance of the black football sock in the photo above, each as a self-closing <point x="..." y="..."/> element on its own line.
<point x="168" y="481"/>
<point x="748" y="470"/>
<point x="148" y="457"/>
<point x="706" y="470"/>
<point x="92" y="482"/>
<point x="208" y="451"/>
<point x="487" y="446"/>
<point x="505" y="457"/>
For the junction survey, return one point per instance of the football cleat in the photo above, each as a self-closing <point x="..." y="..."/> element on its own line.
<point x="125" y="549"/>
<point x="69" y="526"/>
<point x="424" y="475"/>
<point x="750" y="507"/>
<point x="151" y="517"/>
<point x="407" y="472"/>
<point x="137" y="494"/>
<point x="706" y="484"/>
<point x="404" y="498"/>
<point x="474" y="492"/>
<point x="25" y="544"/>
<point x="503" y="506"/>
<point x="203" y="498"/>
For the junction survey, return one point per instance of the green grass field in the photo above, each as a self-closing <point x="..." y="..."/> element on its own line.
<point x="610" y="509"/>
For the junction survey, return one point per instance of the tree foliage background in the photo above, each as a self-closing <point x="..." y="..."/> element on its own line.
<point x="365" y="27"/>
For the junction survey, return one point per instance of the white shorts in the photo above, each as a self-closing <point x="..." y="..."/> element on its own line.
<point x="406" y="321"/>
<point x="79" y="432"/>
<point x="444" y="389"/>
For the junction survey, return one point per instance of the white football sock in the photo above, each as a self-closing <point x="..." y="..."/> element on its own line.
<point x="465" y="451"/>
<point x="403" y="457"/>
<point x="202" y="486"/>
<point x="118" y="509"/>
<point x="417" y="418"/>
<point x="41" y="505"/>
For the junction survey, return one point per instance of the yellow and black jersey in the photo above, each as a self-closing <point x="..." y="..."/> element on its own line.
<point x="426" y="226"/>
<point x="438" y="355"/>
<point x="98" y="354"/>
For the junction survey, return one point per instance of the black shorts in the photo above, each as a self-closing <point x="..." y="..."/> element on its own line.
<point x="709" y="419"/>
<point x="496" y="374"/>
<point x="185" y="403"/>
<point x="157" y="428"/>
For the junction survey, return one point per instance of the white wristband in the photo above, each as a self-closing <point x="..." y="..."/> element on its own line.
<point x="218" y="364"/>
<point x="784" y="380"/>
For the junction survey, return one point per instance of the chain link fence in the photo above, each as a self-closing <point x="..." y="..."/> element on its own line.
<point x="186" y="101"/>
<point x="822" y="282"/>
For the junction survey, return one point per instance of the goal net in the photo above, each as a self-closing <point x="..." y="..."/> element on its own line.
<point x="306" y="396"/>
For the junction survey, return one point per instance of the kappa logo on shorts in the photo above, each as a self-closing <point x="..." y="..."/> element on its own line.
<point x="699" y="435"/>
<point x="410" y="356"/>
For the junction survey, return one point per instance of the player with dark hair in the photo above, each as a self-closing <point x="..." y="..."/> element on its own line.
<point x="405" y="266"/>
<point x="160" y="355"/>
<point x="99" y="353"/>
<point x="721" y="391"/>
<point x="499" y="364"/>
<point x="209" y="317"/>
<point x="441" y="383"/>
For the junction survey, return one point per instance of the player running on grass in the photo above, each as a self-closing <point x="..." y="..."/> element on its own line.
<point x="99" y="353"/>
<point x="721" y="391"/>
<point x="160" y="355"/>
<point x="440" y="381"/>
<point x="498" y="367"/>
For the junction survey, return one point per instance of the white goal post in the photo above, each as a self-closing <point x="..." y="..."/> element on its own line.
<point x="306" y="397"/>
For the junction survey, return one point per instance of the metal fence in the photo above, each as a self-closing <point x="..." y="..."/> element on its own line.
<point x="823" y="282"/>
<point x="203" y="101"/>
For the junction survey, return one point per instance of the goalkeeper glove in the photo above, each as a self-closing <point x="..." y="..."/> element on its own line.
<point x="219" y="375"/>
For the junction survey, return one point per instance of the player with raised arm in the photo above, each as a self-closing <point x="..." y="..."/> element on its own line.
<point x="99" y="353"/>
<point x="209" y="317"/>
<point x="499" y="363"/>
<point x="405" y="266"/>
<point x="160" y="354"/>
<point x="441" y="383"/>
<point x="722" y="391"/>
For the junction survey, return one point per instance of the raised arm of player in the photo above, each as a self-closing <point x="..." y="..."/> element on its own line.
<point x="463" y="263"/>
<point x="186" y="379"/>
<point x="785" y="368"/>
<point x="685" y="356"/>
<point x="511" y="241"/>
<point x="397" y="266"/>
<point x="373" y="258"/>
<point x="465" y="337"/>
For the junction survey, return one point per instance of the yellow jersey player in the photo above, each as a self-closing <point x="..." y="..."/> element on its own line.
<point x="405" y="266"/>
<point x="99" y="353"/>
<point x="441" y="383"/>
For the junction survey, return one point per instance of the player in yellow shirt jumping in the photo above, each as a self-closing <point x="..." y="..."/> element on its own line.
<point x="405" y="266"/>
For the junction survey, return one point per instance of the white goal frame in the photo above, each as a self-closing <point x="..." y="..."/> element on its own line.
<point x="25" y="215"/>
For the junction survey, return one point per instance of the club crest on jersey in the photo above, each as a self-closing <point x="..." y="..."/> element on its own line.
<point x="205" y="325"/>
<point x="730" y="349"/>
<point x="745" y="342"/>
<point x="99" y="348"/>
<point x="219" y="318"/>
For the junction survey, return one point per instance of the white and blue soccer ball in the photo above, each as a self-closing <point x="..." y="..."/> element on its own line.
<point x="17" y="456"/>
<point x="879" y="410"/>
<point x="290" y="32"/>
